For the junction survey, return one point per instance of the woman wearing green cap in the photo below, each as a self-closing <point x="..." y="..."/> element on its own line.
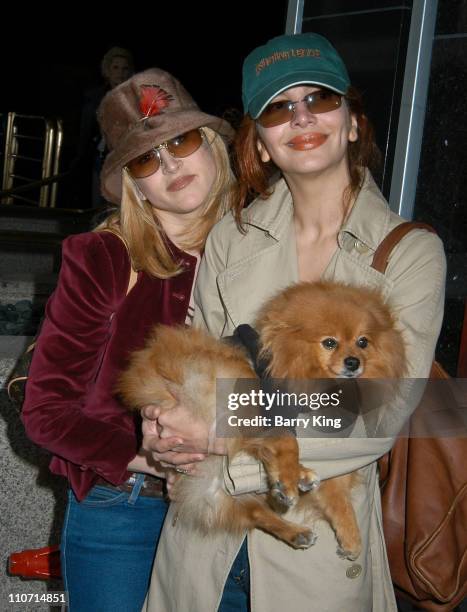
<point x="322" y="219"/>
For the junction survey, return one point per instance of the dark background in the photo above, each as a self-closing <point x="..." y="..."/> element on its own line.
<point x="50" y="60"/>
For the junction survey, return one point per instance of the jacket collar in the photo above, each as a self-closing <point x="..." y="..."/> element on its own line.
<point x="368" y="220"/>
<point x="274" y="214"/>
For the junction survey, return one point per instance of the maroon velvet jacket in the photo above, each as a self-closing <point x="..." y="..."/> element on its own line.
<point x="90" y="328"/>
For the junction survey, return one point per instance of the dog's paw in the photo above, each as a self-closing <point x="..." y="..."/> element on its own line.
<point x="280" y="496"/>
<point x="351" y="555"/>
<point x="304" y="539"/>
<point x="309" y="480"/>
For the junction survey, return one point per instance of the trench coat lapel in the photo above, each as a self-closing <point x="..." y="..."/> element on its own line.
<point x="270" y="251"/>
<point x="270" y="259"/>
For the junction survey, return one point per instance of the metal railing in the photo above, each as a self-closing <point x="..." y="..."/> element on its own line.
<point x="31" y="156"/>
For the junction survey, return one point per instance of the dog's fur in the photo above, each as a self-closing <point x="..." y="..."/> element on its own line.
<point x="182" y="364"/>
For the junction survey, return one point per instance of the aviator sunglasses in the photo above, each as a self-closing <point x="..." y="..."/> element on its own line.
<point x="181" y="146"/>
<point x="283" y="111"/>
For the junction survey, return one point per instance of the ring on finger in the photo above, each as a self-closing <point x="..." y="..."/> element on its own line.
<point x="182" y="471"/>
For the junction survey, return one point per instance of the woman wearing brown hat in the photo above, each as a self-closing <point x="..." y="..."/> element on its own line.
<point x="323" y="219"/>
<point x="168" y="174"/>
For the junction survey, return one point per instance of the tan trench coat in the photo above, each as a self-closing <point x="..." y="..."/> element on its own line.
<point x="238" y="274"/>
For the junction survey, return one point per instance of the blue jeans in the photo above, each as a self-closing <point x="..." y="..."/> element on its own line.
<point x="236" y="596"/>
<point x="107" y="548"/>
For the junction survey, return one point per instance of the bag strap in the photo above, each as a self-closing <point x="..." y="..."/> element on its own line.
<point x="380" y="263"/>
<point x="382" y="253"/>
<point x="16" y="379"/>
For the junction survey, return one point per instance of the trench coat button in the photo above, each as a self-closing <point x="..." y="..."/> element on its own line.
<point x="175" y="519"/>
<point x="360" y="247"/>
<point x="354" y="571"/>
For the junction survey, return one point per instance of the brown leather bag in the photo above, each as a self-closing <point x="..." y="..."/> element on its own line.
<point x="424" y="498"/>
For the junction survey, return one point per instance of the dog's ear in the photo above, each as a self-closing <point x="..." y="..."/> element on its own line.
<point x="272" y="327"/>
<point x="282" y="344"/>
<point x="276" y="335"/>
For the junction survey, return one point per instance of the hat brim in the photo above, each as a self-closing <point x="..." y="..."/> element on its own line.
<point x="274" y="88"/>
<point x="150" y="134"/>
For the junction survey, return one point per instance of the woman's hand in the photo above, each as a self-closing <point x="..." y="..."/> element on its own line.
<point x="171" y="480"/>
<point x="167" y="449"/>
<point x="145" y="462"/>
<point x="176" y="438"/>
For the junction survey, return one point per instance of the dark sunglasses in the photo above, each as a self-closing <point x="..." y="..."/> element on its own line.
<point x="321" y="101"/>
<point x="181" y="146"/>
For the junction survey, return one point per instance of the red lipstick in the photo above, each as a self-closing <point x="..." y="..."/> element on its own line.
<point x="304" y="142"/>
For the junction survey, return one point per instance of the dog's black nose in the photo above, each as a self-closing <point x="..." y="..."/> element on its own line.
<point x="352" y="363"/>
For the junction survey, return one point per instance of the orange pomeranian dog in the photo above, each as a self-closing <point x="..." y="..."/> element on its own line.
<point x="308" y="331"/>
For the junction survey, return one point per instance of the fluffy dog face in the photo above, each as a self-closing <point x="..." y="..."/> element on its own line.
<point x="324" y="330"/>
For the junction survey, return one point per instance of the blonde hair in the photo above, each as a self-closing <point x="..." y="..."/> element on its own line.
<point x="137" y="224"/>
<point x="111" y="55"/>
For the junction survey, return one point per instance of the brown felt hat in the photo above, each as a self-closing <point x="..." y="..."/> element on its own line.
<point x="143" y="112"/>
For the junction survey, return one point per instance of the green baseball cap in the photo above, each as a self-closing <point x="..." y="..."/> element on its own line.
<point x="286" y="61"/>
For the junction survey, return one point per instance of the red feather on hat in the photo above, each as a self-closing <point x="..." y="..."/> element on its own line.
<point x="153" y="100"/>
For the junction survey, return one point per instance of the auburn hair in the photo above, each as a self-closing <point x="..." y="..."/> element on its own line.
<point x="254" y="176"/>
<point x="136" y="222"/>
